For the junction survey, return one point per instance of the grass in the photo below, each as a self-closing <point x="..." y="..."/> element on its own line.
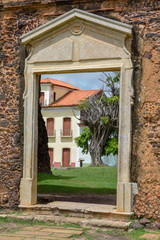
<point x="136" y="234"/>
<point x="71" y="225"/>
<point x="95" y="180"/>
<point x="14" y="225"/>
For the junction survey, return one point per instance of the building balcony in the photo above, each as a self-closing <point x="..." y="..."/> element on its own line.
<point x="66" y="133"/>
<point x="54" y="134"/>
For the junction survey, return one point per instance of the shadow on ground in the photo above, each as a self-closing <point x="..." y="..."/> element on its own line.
<point x="86" y="198"/>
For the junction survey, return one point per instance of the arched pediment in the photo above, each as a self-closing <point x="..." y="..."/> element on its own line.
<point x="78" y="36"/>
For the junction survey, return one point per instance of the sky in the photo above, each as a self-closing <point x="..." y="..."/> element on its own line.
<point x="84" y="81"/>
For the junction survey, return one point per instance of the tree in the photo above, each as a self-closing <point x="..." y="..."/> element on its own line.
<point x="83" y="140"/>
<point x="100" y="114"/>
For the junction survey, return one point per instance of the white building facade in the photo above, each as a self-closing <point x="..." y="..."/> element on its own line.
<point x="59" y="102"/>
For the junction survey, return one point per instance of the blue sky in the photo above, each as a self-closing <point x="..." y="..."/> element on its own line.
<point x="83" y="81"/>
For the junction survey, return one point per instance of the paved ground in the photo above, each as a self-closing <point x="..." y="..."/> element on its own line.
<point x="14" y="231"/>
<point x="17" y="231"/>
<point x="24" y="229"/>
<point x="41" y="232"/>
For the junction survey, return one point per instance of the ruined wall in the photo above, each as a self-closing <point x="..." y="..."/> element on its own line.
<point x="18" y="17"/>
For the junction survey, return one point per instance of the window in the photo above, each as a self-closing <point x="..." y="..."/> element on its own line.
<point x="41" y="99"/>
<point x="50" y="126"/>
<point x="54" y="96"/>
<point x="66" y="126"/>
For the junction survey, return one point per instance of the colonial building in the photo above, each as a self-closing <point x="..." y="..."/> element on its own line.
<point x="59" y="102"/>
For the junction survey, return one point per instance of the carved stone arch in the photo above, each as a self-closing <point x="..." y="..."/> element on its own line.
<point x="77" y="42"/>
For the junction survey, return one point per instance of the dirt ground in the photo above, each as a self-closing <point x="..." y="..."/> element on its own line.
<point x="87" y="198"/>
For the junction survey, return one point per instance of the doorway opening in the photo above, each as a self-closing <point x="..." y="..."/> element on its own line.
<point x="77" y="42"/>
<point x="67" y="129"/>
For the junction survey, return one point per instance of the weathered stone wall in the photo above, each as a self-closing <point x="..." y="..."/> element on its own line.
<point x="18" y="17"/>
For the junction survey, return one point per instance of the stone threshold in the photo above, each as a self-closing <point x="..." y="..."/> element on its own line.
<point x="90" y="214"/>
<point x="83" y="222"/>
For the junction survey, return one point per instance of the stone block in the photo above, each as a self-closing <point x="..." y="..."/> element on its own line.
<point x="150" y="236"/>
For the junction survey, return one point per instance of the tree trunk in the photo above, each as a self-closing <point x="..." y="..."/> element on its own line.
<point x="96" y="146"/>
<point x="100" y="114"/>
<point x="96" y="157"/>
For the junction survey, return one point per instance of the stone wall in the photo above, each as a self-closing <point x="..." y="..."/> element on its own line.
<point x="18" y="17"/>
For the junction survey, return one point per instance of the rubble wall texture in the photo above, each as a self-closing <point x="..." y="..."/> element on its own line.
<point x="18" y="17"/>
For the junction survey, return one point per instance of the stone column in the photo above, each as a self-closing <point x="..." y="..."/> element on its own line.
<point x="124" y="186"/>
<point x="28" y="187"/>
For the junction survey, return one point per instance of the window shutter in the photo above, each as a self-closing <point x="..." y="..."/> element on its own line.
<point x="50" y="126"/>
<point x="67" y="127"/>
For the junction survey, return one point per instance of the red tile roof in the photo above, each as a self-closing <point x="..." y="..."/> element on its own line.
<point x="58" y="83"/>
<point x="74" y="98"/>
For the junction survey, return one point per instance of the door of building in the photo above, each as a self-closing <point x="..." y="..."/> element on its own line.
<point x="50" y="151"/>
<point x="66" y="157"/>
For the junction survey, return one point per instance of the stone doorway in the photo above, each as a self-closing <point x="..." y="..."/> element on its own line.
<point x="77" y="42"/>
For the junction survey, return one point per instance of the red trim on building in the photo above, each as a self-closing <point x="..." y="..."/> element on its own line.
<point x="73" y="164"/>
<point x="57" y="164"/>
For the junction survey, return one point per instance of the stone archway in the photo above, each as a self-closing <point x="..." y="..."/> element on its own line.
<point x="77" y="42"/>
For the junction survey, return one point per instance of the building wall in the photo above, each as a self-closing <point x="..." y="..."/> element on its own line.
<point x="46" y="89"/>
<point x="58" y="142"/>
<point x="19" y="17"/>
<point x="60" y="91"/>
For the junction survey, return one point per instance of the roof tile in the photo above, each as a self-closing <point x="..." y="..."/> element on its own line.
<point x="58" y="83"/>
<point x="73" y="98"/>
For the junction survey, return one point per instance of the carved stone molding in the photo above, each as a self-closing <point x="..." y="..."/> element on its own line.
<point x="60" y="47"/>
<point x="77" y="28"/>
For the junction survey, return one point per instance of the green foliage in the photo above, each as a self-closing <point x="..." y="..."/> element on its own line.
<point x="105" y="119"/>
<point x="110" y="80"/>
<point x="110" y="100"/>
<point x="83" y="105"/>
<point x="111" y="146"/>
<point x="83" y="140"/>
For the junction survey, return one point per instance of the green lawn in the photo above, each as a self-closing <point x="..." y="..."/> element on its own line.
<point x="98" y="180"/>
